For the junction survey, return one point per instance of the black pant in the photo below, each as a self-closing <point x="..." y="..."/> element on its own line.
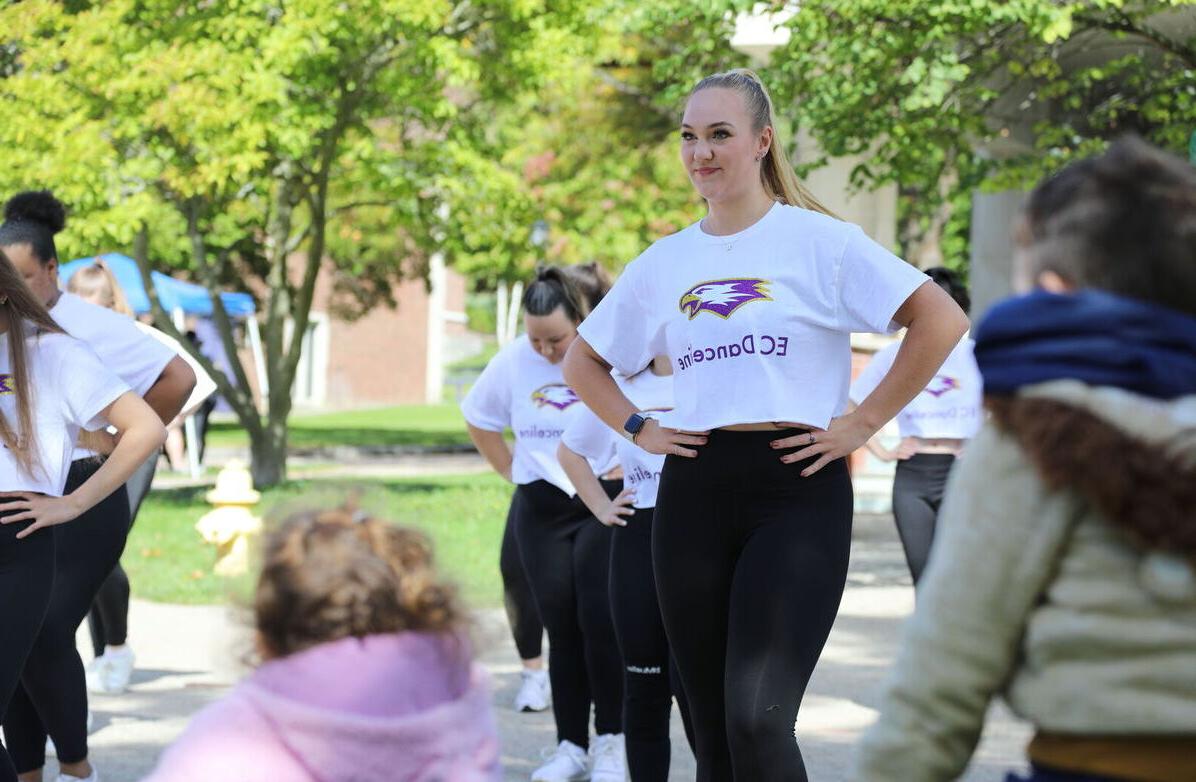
<point x="649" y="676"/>
<point x="52" y="697"/>
<point x="522" y="614"/>
<point x="26" y="582"/>
<point x="108" y="620"/>
<point x="917" y="494"/>
<point x="566" y="554"/>
<point x="751" y="561"/>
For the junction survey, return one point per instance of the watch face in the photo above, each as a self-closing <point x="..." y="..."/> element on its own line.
<point x="634" y="424"/>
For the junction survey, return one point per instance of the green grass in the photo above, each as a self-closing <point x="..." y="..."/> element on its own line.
<point x="464" y="516"/>
<point x="405" y="425"/>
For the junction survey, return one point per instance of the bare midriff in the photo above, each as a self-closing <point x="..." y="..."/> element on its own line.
<point x="938" y="445"/>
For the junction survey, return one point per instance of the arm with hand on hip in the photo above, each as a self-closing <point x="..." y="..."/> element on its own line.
<point x="588" y="374"/>
<point x="934" y="324"/>
<point x="141" y="434"/>
<point x="493" y="448"/>
<point x="609" y="512"/>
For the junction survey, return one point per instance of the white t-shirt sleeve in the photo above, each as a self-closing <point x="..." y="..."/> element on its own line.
<point x="623" y="329"/>
<point x="872" y="285"/>
<point x="136" y="358"/>
<point x="488" y="403"/>
<point x="873" y="373"/>
<point x="89" y="388"/>
<point x="590" y="437"/>
<point x="205" y="386"/>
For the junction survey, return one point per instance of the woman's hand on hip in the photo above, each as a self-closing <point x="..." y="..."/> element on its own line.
<point x="43" y="511"/>
<point x="843" y="437"/>
<point x="620" y="506"/>
<point x="658" y="439"/>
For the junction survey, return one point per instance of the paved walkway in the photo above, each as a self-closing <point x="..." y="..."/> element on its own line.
<point x="189" y="655"/>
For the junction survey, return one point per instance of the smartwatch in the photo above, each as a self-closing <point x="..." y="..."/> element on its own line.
<point x="634" y="425"/>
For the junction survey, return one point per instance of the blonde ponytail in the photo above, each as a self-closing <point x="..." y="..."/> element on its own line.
<point x="776" y="174"/>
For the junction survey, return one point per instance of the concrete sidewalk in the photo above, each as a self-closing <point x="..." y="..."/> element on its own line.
<point x="189" y="655"/>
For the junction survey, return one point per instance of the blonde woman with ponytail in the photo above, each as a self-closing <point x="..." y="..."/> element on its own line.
<point x="755" y="305"/>
<point x="51" y="388"/>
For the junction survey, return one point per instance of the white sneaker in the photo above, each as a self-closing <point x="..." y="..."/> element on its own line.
<point x="95" y="777"/>
<point x="567" y="763"/>
<point x="535" y="693"/>
<point x="117" y="669"/>
<point x="94" y="674"/>
<point x="607" y="763"/>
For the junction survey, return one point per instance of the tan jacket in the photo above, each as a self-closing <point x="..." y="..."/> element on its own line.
<point x="1032" y="595"/>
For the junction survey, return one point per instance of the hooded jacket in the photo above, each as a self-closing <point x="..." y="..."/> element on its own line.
<point x="409" y="707"/>
<point x="1034" y="594"/>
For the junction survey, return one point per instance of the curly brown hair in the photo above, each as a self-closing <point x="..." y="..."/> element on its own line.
<point x="1147" y="493"/>
<point x="340" y="573"/>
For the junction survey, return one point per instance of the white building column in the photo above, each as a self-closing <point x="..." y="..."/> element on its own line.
<point x="437" y="299"/>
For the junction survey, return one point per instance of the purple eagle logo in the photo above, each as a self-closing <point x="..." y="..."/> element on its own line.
<point x="941" y="384"/>
<point x="722" y="297"/>
<point x="557" y="395"/>
<point x="6" y="385"/>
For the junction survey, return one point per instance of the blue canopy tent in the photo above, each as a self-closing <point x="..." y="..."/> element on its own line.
<point x="173" y="294"/>
<point x="180" y="299"/>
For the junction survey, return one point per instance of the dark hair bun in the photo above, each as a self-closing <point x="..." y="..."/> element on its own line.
<point x="37" y="206"/>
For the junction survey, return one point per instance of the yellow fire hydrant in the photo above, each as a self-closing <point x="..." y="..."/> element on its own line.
<point x="230" y="526"/>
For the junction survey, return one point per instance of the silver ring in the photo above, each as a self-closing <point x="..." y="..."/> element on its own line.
<point x="811" y="438"/>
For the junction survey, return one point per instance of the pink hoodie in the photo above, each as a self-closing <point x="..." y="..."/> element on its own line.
<point x="401" y="708"/>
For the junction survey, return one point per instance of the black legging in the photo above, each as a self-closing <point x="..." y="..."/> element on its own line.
<point x="108" y="620"/>
<point x="566" y="554"/>
<point x="53" y="694"/>
<point x="649" y="678"/>
<point x="26" y="580"/>
<point x="917" y="494"/>
<point x="522" y="614"/>
<point x="751" y="561"/>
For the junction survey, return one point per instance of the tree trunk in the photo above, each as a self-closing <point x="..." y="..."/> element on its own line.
<point x="268" y="455"/>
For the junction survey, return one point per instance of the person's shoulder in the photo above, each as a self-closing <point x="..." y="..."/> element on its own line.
<point x="223" y="740"/>
<point x="71" y="311"/>
<point x="60" y="347"/>
<point x="517" y="350"/>
<point x="666" y="247"/>
<point x="807" y="221"/>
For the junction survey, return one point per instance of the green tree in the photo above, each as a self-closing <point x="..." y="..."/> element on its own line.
<point x="254" y="142"/>
<point x="919" y="87"/>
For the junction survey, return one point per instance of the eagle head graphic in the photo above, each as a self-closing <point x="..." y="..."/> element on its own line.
<point x="722" y="297"/>
<point x="941" y="384"/>
<point x="558" y="395"/>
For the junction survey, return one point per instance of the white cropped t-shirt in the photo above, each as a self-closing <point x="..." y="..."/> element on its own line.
<point x="949" y="407"/>
<point x="590" y="437"/>
<point x="69" y="388"/>
<point x="757" y="323"/>
<point x="523" y="391"/>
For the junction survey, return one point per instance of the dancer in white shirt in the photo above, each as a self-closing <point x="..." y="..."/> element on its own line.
<point x="755" y="305"/>
<point x="51" y="388"/>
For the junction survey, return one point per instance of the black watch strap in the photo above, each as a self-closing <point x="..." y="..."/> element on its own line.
<point x="635" y="422"/>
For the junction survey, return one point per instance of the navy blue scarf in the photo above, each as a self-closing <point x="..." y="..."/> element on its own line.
<point x="1091" y="336"/>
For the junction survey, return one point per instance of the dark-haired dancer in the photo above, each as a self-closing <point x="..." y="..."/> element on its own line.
<point x="112" y="666"/>
<point x="1064" y="571"/>
<point x="52" y="698"/>
<point x="755" y="304"/>
<point x="933" y="427"/>
<point x="564" y="553"/>
<point x="51" y="388"/>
